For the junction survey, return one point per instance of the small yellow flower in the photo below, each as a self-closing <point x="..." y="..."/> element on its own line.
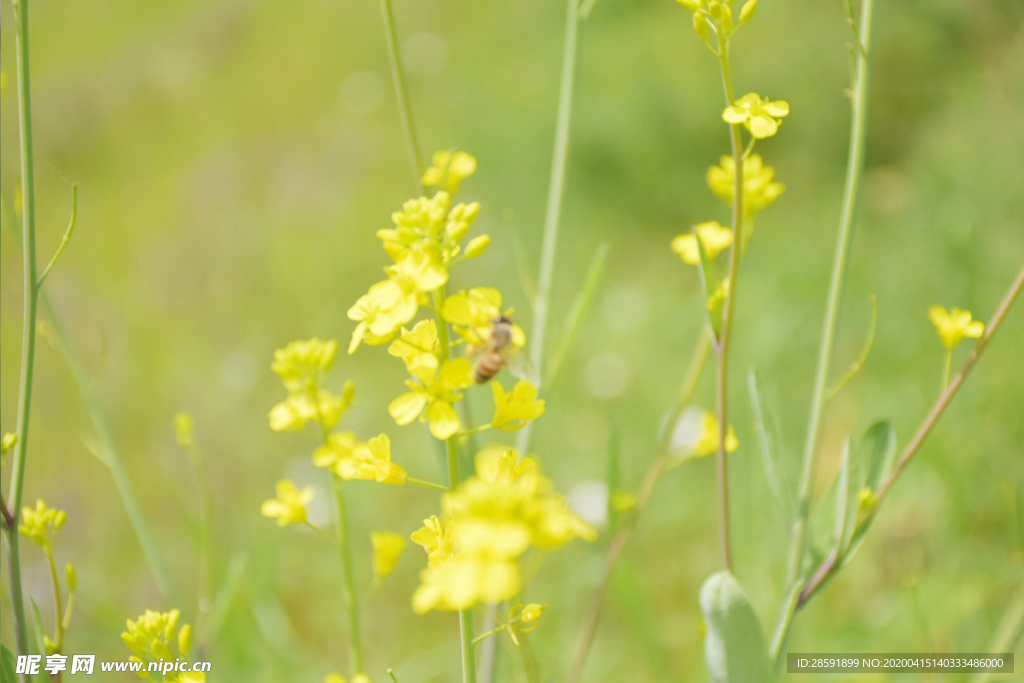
<point x="759" y="188"/>
<point x="338" y="678"/>
<point x="183" y="429"/>
<point x="954" y="325"/>
<point x="7" y="444"/>
<point x="290" y="505"/>
<point x="293" y="413"/>
<point x="707" y="442"/>
<point x="449" y="169"/>
<point x="301" y="363"/>
<point x="761" y="117"/>
<point x="373" y="462"/>
<point x="867" y="500"/>
<point x="41" y="523"/>
<point x="432" y="400"/>
<point x="418" y="348"/>
<point x="387" y="549"/>
<point x="472" y="312"/>
<point x="715" y="237"/>
<point x="150" y="636"/>
<point x="435" y="540"/>
<point x="514" y="409"/>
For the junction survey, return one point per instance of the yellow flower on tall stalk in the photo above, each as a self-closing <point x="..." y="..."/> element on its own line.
<point x="513" y="409"/>
<point x="152" y="635"/>
<point x="762" y="117"/>
<point x="418" y="348"/>
<point x="715" y="237"/>
<point x="492" y="519"/>
<point x="954" y="325"/>
<point x="449" y="169"/>
<point x="432" y="397"/>
<point x="290" y="505"/>
<point x="759" y="186"/>
<point x="41" y="523"/>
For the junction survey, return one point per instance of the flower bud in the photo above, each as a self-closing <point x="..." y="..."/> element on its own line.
<point x="70" y="577"/>
<point x="726" y="19"/>
<point x="700" y="25"/>
<point x="747" y="13"/>
<point x="185" y="639"/>
<point x="532" y="612"/>
<point x="715" y="10"/>
<point x="457" y="229"/>
<point x="689" y="4"/>
<point x="477" y="246"/>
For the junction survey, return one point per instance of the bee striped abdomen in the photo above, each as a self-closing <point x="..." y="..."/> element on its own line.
<point x="487" y="366"/>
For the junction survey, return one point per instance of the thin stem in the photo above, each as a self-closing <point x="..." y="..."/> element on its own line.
<point x="847" y="222"/>
<point x="947" y="368"/>
<point x="553" y="212"/>
<point x="348" y="585"/>
<point x="67" y="236"/>
<point x="430" y="484"/>
<point x="391" y="672"/>
<point x="647" y="486"/>
<point x="454" y="479"/>
<point x="830" y="567"/>
<point x="398" y="79"/>
<point x="28" y="346"/>
<point x="722" y="348"/>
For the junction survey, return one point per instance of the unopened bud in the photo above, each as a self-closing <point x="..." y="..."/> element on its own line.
<point x="70" y="577"/>
<point x="477" y="246"/>
<point x="726" y="19"/>
<point x="532" y="612"/>
<point x="700" y="25"/>
<point x="185" y="639"/>
<point x="689" y="4"/>
<point x="747" y="13"/>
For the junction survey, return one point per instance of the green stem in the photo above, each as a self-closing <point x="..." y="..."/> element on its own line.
<point x="947" y="367"/>
<point x="487" y="634"/>
<point x="428" y="484"/>
<point x="848" y="219"/>
<point x="725" y="342"/>
<point x="28" y="346"/>
<point x="67" y="237"/>
<point x="556" y="189"/>
<point x="454" y="479"/>
<point x="398" y="78"/>
<point x="348" y="586"/>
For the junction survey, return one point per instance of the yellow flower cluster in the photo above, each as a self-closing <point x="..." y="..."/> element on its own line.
<point x="715" y="18"/>
<point x="489" y="523"/>
<point x="351" y="459"/>
<point x="41" y="523"/>
<point x="426" y="241"/>
<point x="150" y="638"/>
<point x="301" y="366"/>
<point x="759" y="186"/>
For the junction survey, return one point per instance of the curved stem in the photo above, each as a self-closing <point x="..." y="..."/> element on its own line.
<point x="646" y="490"/>
<point x="58" y="602"/>
<point x="847" y="222"/>
<point x="722" y="348"/>
<point x="28" y="346"/>
<point x="398" y="78"/>
<point x="428" y="484"/>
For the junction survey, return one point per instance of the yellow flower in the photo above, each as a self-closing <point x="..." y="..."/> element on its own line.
<point x="492" y="519"/>
<point x="761" y="117"/>
<point x="707" y="442"/>
<point x="430" y="226"/>
<point x="514" y="409"/>
<point x="418" y="348"/>
<point x="432" y="400"/>
<point x="150" y="636"/>
<point x="301" y="363"/>
<point x="373" y="462"/>
<point x="293" y="413"/>
<point x="337" y="454"/>
<point x="954" y="325"/>
<point x="290" y="505"/>
<point x="7" y="444"/>
<point x="41" y="523"/>
<point x="387" y="549"/>
<point x="449" y="168"/>
<point x="183" y="429"/>
<point x="472" y="312"/>
<point x="715" y="237"/>
<point x="759" y="188"/>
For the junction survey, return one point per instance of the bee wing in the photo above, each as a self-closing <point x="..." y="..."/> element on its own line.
<point x="520" y="365"/>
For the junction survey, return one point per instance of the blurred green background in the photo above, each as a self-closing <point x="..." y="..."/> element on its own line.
<point x="234" y="159"/>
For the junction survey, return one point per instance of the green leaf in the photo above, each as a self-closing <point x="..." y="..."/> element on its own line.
<point x="846" y="505"/>
<point x="37" y="628"/>
<point x="767" y="439"/>
<point x="734" y="647"/>
<point x="7" y="668"/>
<point x="875" y="457"/>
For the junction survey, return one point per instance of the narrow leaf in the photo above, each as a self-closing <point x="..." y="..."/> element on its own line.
<point x="37" y="628"/>
<point x="767" y="439"/>
<point x="734" y="647"/>
<point x="7" y="668"/>
<point x="789" y="606"/>
<point x="875" y="456"/>
<point x="844" y="509"/>
<point x="577" y="311"/>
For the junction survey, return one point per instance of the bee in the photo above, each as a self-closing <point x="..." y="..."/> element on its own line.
<point x="500" y="351"/>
